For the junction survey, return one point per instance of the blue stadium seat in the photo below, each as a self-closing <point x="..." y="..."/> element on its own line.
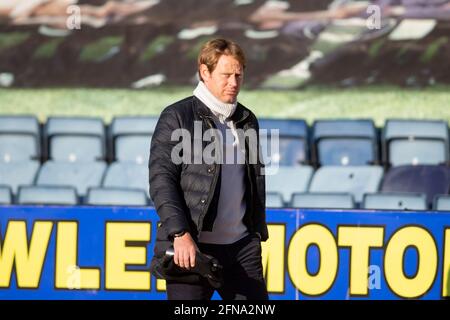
<point x="395" y="201"/>
<point x="80" y="175"/>
<point x="127" y="175"/>
<point x="274" y="200"/>
<point x="75" y="139"/>
<point x="323" y="200"/>
<point x="14" y="174"/>
<point x="415" y="142"/>
<point x="355" y="180"/>
<point x="47" y="195"/>
<point x="289" y="180"/>
<point x="19" y="138"/>
<point x="116" y="197"/>
<point x="429" y="179"/>
<point x="130" y="138"/>
<point x="345" y="142"/>
<point x="442" y="203"/>
<point x="293" y="141"/>
<point x="5" y="195"/>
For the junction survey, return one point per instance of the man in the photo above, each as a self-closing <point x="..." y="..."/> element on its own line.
<point x="216" y="208"/>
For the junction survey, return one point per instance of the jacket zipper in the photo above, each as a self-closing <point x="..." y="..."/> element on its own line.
<point x="252" y="187"/>
<point x="212" y="191"/>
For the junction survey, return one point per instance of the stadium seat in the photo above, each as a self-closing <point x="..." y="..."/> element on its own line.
<point x="431" y="180"/>
<point x="274" y="200"/>
<point x="130" y="138"/>
<point x="415" y="142"/>
<point x="75" y="139"/>
<point x="19" y="138"/>
<point x="47" y="195"/>
<point x="442" y="203"/>
<point x="293" y="141"/>
<point x="323" y="200"/>
<point x="355" y="180"/>
<point x="5" y="195"/>
<point x="289" y="180"/>
<point x="80" y="175"/>
<point x="345" y="142"/>
<point x="127" y="175"/>
<point x="116" y="197"/>
<point x="14" y="174"/>
<point x="395" y="201"/>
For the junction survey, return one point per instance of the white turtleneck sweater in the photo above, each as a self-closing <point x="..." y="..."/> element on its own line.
<point x="228" y="226"/>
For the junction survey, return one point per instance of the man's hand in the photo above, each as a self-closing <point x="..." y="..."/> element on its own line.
<point x="185" y="250"/>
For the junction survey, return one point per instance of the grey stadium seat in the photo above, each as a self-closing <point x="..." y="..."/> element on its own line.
<point x="429" y="179"/>
<point x="323" y="200"/>
<point x="442" y="203"/>
<point x="80" y="175"/>
<point x="116" y="197"/>
<point x="274" y="200"/>
<point x="47" y="195"/>
<point x="345" y="142"/>
<point x="293" y="141"/>
<point x="19" y="138"/>
<point x="5" y="195"/>
<point x="289" y="180"/>
<point x="127" y="175"/>
<point x="415" y="142"/>
<point x="395" y="201"/>
<point x="131" y="138"/>
<point x="75" y="139"/>
<point x="355" y="180"/>
<point x="14" y="174"/>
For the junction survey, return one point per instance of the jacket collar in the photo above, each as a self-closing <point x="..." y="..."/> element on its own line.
<point x="240" y="114"/>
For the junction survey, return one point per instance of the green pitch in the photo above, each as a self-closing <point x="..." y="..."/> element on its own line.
<point x="378" y="103"/>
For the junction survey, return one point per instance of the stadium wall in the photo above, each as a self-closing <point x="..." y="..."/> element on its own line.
<point x="104" y="253"/>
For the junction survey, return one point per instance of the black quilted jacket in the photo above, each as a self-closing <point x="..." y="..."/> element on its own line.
<point x="186" y="195"/>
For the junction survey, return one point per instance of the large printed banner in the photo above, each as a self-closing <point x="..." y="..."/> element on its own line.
<point x="105" y="252"/>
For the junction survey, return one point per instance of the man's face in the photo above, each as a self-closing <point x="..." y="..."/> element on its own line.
<point x="225" y="80"/>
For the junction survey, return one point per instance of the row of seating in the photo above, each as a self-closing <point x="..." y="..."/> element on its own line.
<point x="359" y="142"/>
<point x="375" y="201"/>
<point x="76" y="139"/>
<point x="326" y="142"/>
<point x="66" y="195"/>
<point x="286" y="181"/>
<point x="79" y="175"/>
<point x="359" y="180"/>
<point x="51" y="195"/>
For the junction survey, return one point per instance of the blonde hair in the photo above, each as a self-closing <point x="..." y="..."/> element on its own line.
<point x="212" y="50"/>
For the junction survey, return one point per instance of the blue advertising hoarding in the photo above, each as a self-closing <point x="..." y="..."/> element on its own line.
<point x="104" y="253"/>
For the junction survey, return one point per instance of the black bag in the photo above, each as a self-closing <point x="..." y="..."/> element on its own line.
<point x="206" y="266"/>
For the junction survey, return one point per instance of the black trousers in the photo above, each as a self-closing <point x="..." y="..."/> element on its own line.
<point x="242" y="272"/>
